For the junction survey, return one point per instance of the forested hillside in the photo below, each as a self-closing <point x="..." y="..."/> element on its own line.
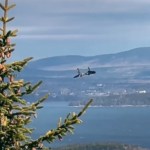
<point x="101" y="147"/>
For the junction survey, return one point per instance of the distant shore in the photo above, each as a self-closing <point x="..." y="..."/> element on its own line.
<point x="95" y="106"/>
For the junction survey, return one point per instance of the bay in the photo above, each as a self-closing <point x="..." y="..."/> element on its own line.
<point x="128" y="125"/>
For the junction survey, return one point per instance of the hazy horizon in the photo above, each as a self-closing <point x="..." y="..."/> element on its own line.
<point x="87" y="27"/>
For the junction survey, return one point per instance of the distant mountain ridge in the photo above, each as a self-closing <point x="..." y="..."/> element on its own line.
<point x="116" y="75"/>
<point x="137" y="56"/>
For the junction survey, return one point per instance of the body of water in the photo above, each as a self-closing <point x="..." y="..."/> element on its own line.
<point x="129" y="125"/>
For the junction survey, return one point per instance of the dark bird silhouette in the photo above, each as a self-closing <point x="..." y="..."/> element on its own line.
<point x="89" y="72"/>
<point x="79" y="74"/>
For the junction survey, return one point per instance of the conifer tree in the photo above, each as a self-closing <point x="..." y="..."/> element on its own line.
<point x="15" y="112"/>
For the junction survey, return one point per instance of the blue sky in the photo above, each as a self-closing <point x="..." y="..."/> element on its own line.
<point x="79" y="27"/>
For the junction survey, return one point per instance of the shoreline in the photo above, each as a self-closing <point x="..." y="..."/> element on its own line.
<point x="120" y="106"/>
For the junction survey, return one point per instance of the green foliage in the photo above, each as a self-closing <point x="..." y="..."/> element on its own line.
<point x="15" y="113"/>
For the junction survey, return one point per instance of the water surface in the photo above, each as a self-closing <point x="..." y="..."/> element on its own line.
<point x="129" y="125"/>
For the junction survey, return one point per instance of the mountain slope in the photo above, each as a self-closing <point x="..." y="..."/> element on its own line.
<point x="132" y="64"/>
<point x="138" y="56"/>
<point x="121" y="73"/>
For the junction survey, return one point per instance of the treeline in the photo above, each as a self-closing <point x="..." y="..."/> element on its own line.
<point x="100" y="147"/>
<point x="135" y="99"/>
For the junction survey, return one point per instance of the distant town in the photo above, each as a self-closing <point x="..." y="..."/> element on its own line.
<point x="121" y="79"/>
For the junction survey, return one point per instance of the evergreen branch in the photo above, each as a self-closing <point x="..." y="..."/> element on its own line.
<point x="7" y="34"/>
<point x="5" y="100"/>
<point x="3" y="19"/>
<point x="17" y="66"/>
<point x="14" y="33"/>
<point x="10" y="19"/>
<point x="2" y="7"/>
<point x="36" y="85"/>
<point x="39" y="107"/>
<point x="60" y="131"/>
<point x="27" y="120"/>
<point x="16" y="107"/>
<point x="17" y="99"/>
<point x="84" y="109"/>
<point x="3" y="86"/>
<point x="15" y="113"/>
<point x="26" y="130"/>
<point x="9" y="51"/>
<point x="28" y="59"/>
<point x="30" y="89"/>
<point x="17" y="84"/>
<point x="11" y="6"/>
<point x="17" y="132"/>
<point x="34" y="106"/>
<point x="27" y="83"/>
<point x="3" y="110"/>
<point x="41" y="100"/>
<point x="12" y="45"/>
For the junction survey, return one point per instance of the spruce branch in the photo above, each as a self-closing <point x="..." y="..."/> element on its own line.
<point x="60" y="131"/>
<point x="15" y="112"/>
<point x="14" y="33"/>
<point x="2" y="7"/>
<point x="15" y="98"/>
<point x="41" y="100"/>
<point x="35" y="105"/>
<point x="19" y="65"/>
<point x="11" y="6"/>
<point x="29" y="88"/>
<point x="5" y="100"/>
